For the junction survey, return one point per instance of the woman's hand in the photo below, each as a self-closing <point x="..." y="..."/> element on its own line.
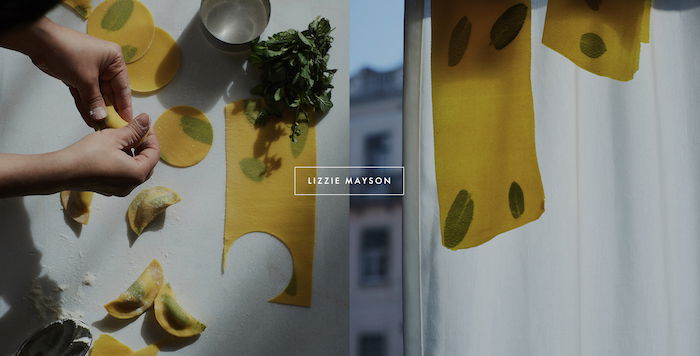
<point x="94" y="70"/>
<point x="101" y="162"/>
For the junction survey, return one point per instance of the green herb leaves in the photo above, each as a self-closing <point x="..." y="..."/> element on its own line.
<point x="117" y="15"/>
<point x="458" y="219"/>
<point x="592" y="45"/>
<point x="253" y="168"/>
<point x="459" y="41"/>
<point x="294" y="74"/>
<point x="516" y="200"/>
<point x="508" y="26"/>
<point x="197" y="129"/>
<point x="128" y="52"/>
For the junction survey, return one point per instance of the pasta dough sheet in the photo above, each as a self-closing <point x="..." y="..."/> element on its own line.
<point x="488" y="180"/>
<point x="603" y="39"/>
<point x="260" y="196"/>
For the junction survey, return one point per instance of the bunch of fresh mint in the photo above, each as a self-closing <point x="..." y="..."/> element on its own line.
<point x="294" y="74"/>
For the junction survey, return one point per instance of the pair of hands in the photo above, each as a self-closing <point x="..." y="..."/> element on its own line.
<point x="95" y="73"/>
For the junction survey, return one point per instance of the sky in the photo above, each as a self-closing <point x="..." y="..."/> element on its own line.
<point x="376" y="34"/>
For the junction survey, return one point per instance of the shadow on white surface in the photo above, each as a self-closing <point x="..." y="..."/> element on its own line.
<point x="32" y="299"/>
<point x="155" y="225"/>
<point x="206" y="74"/>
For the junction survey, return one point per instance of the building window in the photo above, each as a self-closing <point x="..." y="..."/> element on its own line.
<point x="377" y="149"/>
<point x="372" y="345"/>
<point x="374" y="255"/>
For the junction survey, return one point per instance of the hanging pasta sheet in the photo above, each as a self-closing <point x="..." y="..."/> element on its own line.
<point x="488" y="180"/>
<point x="600" y="36"/>
<point x="260" y="163"/>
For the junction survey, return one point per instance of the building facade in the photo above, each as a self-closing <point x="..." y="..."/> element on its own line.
<point x="376" y="315"/>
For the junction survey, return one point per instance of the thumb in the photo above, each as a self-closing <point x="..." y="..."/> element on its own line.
<point x="92" y="101"/>
<point x="132" y="134"/>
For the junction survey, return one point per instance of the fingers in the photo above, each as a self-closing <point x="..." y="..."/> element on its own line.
<point x="131" y="135"/>
<point x="79" y="106"/>
<point x="92" y="101"/>
<point x="115" y="76"/>
<point x="121" y="94"/>
<point x="148" y="154"/>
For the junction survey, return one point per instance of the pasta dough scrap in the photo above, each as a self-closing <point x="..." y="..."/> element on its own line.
<point x="173" y="317"/>
<point x="148" y="204"/>
<point x="150" y="350"/>
<point x="81" y="7"/>
<point x="483" y="120"/>
<point x="604" y="39"/>
<point x="158" y="66"/>
<point x="77" y="205"/>
<point x="140" y="295"/>
<point x="106" y="345"/>
<point x="128" y="23"/>
<point x="185" y="136"/>
<point x="260" y="192"/>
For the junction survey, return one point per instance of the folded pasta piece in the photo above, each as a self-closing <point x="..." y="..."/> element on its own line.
<point x="140" y="295"/>
<point x="77" y="205"/>
<point x="148" y="204"/>
<point x="173" y="318"/>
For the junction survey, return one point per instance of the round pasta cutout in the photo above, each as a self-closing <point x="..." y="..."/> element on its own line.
<point x="128" y="23"/>
<point x="185" y="136"/>
<point x="158" y="67"/>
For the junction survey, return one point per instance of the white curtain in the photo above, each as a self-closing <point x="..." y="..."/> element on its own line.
<point x="613" y="265"/>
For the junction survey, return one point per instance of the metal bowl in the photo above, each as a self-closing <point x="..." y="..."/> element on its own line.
<point x="232" y="25"/>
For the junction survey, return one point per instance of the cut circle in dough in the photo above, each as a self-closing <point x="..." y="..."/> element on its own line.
<point x="158" y="67"/>
<point x="128" y="23"/>
<point x="185" y="136"/>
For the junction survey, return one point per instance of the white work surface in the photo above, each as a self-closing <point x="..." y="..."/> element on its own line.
<point x="39" y="247"/>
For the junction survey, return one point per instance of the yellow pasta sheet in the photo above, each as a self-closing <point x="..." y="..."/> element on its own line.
<point x="600" y="36"/>
<point x="488" y="180"/>
<point x="260" y="196"/>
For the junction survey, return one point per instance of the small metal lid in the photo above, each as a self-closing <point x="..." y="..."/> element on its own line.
<point x="233" y="24"/>
<point x="65" y="337"/>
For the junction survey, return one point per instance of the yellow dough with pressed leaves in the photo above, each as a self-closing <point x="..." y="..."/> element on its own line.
<point x="140" y="295"/>
<point x="185" y="136"/>
<point x="128" y="23"/>
<point x="77" y="205"/>
<point x="81" y="7"/>
<point x="488" y="179"/>
<point x="158" y="67"/>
